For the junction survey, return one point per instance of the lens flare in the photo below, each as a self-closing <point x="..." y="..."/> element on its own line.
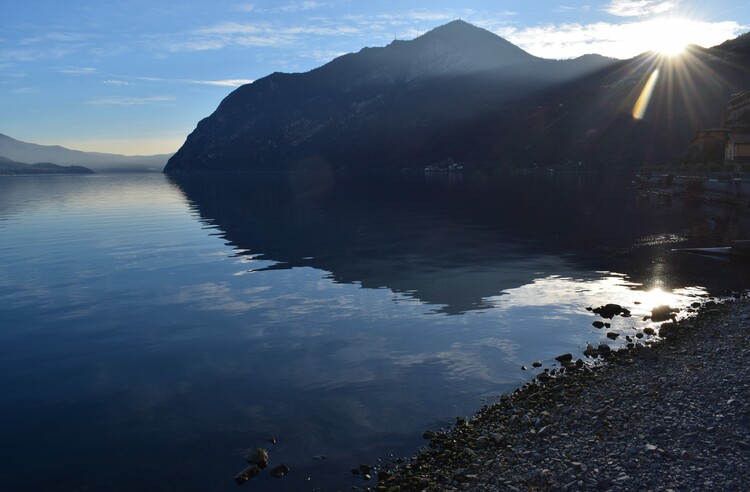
<point x="639" y="109"/>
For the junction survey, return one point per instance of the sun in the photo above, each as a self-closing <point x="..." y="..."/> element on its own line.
<point x="671" y="47"/>
<point x="670" y="37"/>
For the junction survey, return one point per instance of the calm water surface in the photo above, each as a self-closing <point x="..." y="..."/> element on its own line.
<point x="152" y="329"/>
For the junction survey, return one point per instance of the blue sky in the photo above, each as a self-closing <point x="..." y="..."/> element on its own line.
<point x="135" y="76"/>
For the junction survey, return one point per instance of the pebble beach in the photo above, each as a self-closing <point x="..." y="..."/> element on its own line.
<point x="671" y="415"/>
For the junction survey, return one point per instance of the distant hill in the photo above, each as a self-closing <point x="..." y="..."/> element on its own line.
<point x="460" y="93"/>
<point x="9" y="167"/>
<point x="19" y="151"/>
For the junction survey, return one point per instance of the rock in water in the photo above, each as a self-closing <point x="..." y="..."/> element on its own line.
<point x="280" y="471"/>
<point x="609" y="311"/>
<point x="590" y="351"/>
<point x="564" y="358"/>
<point x="663" y="313"/>
<point x="247" y="474"/>
<point x="257" y="456"/>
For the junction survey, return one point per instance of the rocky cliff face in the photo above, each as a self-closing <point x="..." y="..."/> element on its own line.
<point x="456" y="93"/>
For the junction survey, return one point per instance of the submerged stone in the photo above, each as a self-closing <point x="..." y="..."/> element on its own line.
<point x="257" y="456"/>
<point x="247" y="474"/>
<point x="590" y="351"/>
<point x="280" y="471"/>
<point x="609" y="311"/>
<point x="564" y="358"/>
<point x="663" y="313"/>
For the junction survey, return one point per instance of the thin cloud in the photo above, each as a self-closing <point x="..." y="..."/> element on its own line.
<point x="326" y="55"/>
<point x="639" y="8"/>
<point x="228" y="34"/>
<point x="288" y="8"/>
<point x="129" y="101"/>
<point x="570" y="8"/>
<point x="116" y="82"/>
<point x="616" y="40"/>
<point x="216" y="83"/>
<point x="223" y="83"/>
<point x="78" y="70"/>
<point x="24" y="90"/>
<point x="301" y="6"/>
<point x="21" y="55"/>
<point x="245" y="7"/>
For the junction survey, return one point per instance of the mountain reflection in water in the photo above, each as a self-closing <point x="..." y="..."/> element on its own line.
<point x="454" y="242"/>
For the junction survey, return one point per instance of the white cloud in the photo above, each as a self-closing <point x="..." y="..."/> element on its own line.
<point x="227" y="34"/>
<point x="219" y="83"/>
<point x="196" y="45"/>
<point x="325" y="56"/>
<point x="300" y="6"/>
<point x="570" y="8"/>
<point x="639" y="8"/>
<point x="24" y="90"/>
<point x="20" y="55"/>
<point x="116" y="82"/>
<point x="615" y="40"/>
<point x="78" y="70"/>
<point x="128" y="101"/>
<point x="223" y="83"/>
<point x="245" y="7"/>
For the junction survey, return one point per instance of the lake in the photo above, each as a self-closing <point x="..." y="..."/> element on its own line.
<point x="153" y="329"/>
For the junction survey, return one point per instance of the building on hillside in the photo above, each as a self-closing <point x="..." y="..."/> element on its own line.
<point x="712" y="145"/>
<point x="737" y="112"/>
<point x="710" y="137"/>
<point x="737" y="148"/>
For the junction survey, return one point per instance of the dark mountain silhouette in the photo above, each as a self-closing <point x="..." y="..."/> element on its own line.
<point x="8" y="166"/>
<point x="17" y="150"/>
<point x="464" y="94"/>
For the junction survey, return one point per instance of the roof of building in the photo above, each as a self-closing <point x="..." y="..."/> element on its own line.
<point x="739" y="95"/>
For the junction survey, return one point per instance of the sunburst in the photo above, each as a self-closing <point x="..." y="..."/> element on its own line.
<point x="672" y="36"/>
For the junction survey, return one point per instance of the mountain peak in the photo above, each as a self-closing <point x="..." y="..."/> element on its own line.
<point x="483" y="46"/>
<point x="455" y="25"/>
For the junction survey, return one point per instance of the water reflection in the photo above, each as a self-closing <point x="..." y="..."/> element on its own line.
<point x="457" y="244"/>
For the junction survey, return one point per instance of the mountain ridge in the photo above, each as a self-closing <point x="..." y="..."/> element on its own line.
<point x="10" y="167"/>
<point x="456" y="93"/>
<point x="20" y="151"/>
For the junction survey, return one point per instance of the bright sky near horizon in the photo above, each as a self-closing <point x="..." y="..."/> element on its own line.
<point x="136" y="76"/>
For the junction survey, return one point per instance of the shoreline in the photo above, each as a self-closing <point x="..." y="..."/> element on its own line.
<point x="675" y="415"/>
